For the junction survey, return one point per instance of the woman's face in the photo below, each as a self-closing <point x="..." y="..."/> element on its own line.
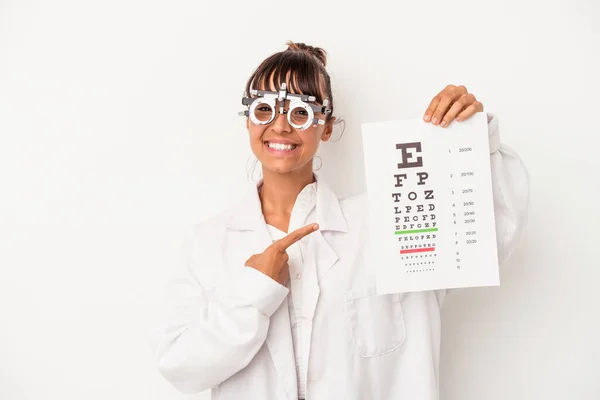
<point x="281" y="148"/>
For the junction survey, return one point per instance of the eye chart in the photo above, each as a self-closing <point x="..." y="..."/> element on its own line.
<point x="430" y="206"/>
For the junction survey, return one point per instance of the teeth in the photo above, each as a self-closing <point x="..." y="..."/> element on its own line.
<point x="281" y="146"/>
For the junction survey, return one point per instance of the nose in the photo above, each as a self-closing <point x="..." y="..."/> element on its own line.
<point x="281" y="124"/>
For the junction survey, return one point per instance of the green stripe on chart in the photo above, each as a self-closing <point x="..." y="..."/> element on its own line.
<point x="417" y="231"/>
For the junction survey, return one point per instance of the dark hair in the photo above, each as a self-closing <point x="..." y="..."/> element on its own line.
<point x="308" y="74"/>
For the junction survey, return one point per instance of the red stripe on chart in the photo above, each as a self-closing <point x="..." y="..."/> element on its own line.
<point x="417" y="250"/>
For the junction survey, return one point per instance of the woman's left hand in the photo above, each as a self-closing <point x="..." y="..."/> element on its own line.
<point x="452" y="102"/>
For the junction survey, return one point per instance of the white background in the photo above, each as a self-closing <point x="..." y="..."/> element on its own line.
<point x="119" y="127"/>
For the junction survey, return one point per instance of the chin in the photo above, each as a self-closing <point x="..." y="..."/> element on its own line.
<point x="280" y="168"/>
<point x="284" y="166"/>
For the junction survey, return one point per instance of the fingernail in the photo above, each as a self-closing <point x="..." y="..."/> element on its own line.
<point x="434" y="120"/>
<point x="458" y="118"/>
<point x="444" y="123"/>
<point x="427" y="118"/>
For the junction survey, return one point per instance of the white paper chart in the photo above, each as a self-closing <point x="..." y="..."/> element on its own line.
<point x="430" y="206"/>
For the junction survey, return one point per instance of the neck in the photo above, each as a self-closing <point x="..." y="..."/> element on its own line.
<point x="279" y="191"/>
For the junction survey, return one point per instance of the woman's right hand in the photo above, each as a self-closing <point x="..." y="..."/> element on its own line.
<point x="273" y="261"/>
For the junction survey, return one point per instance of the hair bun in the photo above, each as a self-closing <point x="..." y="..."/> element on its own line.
<point x="317" y="52"/>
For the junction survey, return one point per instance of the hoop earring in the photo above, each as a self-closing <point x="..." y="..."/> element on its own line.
<point x="320" y="163"/>
<point x="251" y="171"/>
<point x="339" y="121"/>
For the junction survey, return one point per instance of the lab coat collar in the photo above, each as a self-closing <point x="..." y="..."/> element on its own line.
<point x="247" y="214"/>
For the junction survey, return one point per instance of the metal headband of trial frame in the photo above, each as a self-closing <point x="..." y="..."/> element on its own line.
<point x="296" y="100"/>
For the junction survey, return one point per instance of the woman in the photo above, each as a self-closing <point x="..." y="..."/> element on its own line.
<point x="238" y="324"/>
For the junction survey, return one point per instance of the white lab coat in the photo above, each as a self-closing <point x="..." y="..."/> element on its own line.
<point x="228" y="326"/>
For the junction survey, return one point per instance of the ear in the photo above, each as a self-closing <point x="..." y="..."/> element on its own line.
<point x="326" y="135"/>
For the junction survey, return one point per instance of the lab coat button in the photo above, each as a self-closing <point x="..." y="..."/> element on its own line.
<point x="298" y="275"/>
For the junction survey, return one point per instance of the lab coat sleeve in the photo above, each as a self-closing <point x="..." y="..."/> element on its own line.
<point x="213" y="323"/>
<point x="510" y="185"/>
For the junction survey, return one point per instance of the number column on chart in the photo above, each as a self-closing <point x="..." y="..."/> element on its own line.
<point x="463" y="203"/>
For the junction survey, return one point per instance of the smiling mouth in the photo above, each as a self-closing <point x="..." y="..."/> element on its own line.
<point x="280" y="146"/>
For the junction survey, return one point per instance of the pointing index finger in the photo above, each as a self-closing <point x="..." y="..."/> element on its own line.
<point x="295" y="236"/>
